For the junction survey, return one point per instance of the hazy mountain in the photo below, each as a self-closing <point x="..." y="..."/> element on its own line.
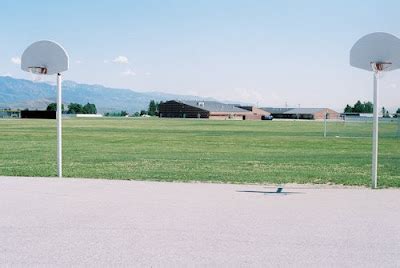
<point x="21" y="94"/>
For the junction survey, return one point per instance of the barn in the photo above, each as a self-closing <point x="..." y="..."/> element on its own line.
<point x="303" y="113"/>
<point x="206" y="109"/>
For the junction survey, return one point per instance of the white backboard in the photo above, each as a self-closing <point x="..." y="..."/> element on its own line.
<point x="376" y="47"/>
<point x="46" y="54"/>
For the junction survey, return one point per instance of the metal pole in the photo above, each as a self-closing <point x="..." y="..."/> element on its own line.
<point x="59" y="129"/>
<point x="398" y="125"/>
<point x="326" y="115"/>
<point x="375" y="135"/>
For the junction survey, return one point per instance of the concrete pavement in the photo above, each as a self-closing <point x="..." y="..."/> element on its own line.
<point x="64" y="222"/>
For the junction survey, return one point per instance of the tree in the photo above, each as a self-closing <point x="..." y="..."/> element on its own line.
<point x="158" y="107"/>
<point x="152" y="108"/>
<point x="121" y="113"/>
<point x="53" y="107"/>
<point x="348" y="109"/>
<point x="75" y="108"/>
<point x="143" y="112"/>
<point x="366" y="107"/>
<point x="358" y="107"/>
<point x="89" y="108"/>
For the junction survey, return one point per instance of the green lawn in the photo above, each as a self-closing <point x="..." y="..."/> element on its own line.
<point x="201" y="150"/>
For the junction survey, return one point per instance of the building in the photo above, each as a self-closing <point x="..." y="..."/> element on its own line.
<point x="257" y="113"/>
<point x="8" y="113"/>
<point x="303" y="113"/>
<point x="38" y="114"/>
<point x="208" y="109"/>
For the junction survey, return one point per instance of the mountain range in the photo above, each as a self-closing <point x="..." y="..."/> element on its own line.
<point x="26" y="94"/>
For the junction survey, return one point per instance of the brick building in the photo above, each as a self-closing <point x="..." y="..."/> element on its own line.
<point x="209" y="109"/>
<point x="303" y="113"/>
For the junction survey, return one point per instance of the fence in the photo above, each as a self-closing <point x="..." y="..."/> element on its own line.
<point x="362" y="127"/>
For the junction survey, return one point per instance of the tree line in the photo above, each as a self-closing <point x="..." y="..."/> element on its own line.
<point x="152" y="110"/>
<point x="75" y="108"/>
<point x="367" y="108"/>
<point x="121" y="113"/>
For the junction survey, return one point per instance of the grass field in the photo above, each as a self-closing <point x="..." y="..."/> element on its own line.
<point x="201" y="150"/>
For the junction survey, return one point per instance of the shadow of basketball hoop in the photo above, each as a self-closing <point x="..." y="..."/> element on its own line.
<point x="279" y="191"/>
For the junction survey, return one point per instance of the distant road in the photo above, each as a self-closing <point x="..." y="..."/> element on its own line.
<point x="60" y="222"/>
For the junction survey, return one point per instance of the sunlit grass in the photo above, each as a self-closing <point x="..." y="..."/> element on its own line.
<point x="201" y="150"/>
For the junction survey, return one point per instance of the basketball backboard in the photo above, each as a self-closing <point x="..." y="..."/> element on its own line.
<point x="45" y="57"/>
<point x="376" y="47"/>
<point x="376" y="52"/>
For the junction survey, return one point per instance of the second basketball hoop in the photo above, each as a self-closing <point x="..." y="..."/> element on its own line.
<point x="379" y="53"/>
<point x="48" y="58"/>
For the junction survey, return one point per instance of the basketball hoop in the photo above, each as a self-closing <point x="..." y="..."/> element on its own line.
<point x="48" y="58"/>
<point x="37" y="73"/>
<point x="379" y="53"/>
<point x="379" y="67"/>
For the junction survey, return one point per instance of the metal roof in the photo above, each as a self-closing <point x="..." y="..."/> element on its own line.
<point x="276" y="110"/>
<point x="214" y="106"/>
<point x="305" y="110"/>
<point x="294" y="110"/>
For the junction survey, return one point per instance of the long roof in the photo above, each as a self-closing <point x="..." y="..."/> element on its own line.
<point x="276" y="110"/>
<point x="215" y="106"/>
<point x="305" y="110"/>
<point x="293" y="110"/>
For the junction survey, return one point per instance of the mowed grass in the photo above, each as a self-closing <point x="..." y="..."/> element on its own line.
<point x="201" y="150"/>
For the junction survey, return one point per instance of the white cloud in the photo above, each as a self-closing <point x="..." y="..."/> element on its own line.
<point x="106" y="61"/>
<point x="16" y="60"/>
<point x="147" y="73"/>
<point x="121" y="60"/>
<point x="6" y="74"/>
<point x="78" y="62"/>
<point x="128" y="72"/>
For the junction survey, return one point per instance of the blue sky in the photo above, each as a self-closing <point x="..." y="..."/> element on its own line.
<point x="269" y="53"/>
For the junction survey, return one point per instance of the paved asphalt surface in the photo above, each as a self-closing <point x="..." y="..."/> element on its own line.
<point x="64" y="222"/>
